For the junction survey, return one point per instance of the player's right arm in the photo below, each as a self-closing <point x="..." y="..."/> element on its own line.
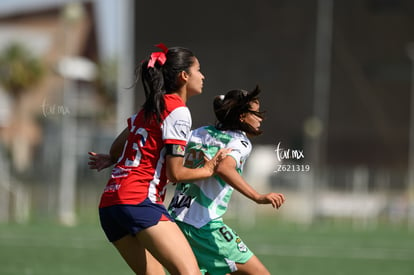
<point x="118" y="145"/>
<point x="176" y="172"/>
<point x="102" y="161"/>
<point x="226" y="169"/>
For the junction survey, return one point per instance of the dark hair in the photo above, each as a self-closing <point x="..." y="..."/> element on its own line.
<point x="230" y="107"/>
<point x="162" y="79"/>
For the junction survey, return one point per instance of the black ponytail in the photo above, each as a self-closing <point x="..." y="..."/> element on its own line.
<point x="162" y="79"/>
<point x="153" y="82"/>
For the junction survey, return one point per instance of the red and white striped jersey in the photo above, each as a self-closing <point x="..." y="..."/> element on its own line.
<point x="140" y="171"/>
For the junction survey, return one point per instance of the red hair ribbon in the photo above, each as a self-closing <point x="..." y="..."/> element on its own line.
<point x="159" y="57"/>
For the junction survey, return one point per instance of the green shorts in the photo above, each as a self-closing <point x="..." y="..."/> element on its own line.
<point x="216" y="246"/>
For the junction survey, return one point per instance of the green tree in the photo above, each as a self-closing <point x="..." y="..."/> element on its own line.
<point x="19" y="70"/>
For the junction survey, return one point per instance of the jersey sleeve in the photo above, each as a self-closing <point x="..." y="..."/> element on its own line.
<point x="241" y="148"/>
<point x="176" y="126"/>
<point x="131" y="121"/>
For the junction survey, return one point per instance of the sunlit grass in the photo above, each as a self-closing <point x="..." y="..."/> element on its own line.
<point x="288" y="249"/>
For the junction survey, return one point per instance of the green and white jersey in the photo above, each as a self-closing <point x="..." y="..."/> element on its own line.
<point x="199" y="202"/>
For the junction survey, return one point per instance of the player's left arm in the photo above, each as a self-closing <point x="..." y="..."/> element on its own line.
<point x="226" y="169"/>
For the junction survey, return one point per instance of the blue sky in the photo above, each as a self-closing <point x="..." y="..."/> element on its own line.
<point x="107" y="18"/>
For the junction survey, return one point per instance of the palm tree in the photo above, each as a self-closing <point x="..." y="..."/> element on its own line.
<point x="19" y="70"/>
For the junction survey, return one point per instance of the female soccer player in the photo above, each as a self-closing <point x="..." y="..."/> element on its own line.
<point x="148" y="153"/>
<point x="198" y="206"/>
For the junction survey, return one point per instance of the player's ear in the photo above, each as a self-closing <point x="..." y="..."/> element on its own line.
<point x="183" y="76"/>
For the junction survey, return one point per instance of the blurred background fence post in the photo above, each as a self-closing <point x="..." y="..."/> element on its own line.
<point x="316" y="127"/>
<point x="410" y="167"/>
<point x="5" y="188"/>
<point x="126" y="63"/>
<point x="72" y="69"/>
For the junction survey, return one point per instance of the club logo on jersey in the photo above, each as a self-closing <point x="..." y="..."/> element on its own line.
<point x="178" y="150"/>
<point x="242" y="247"/>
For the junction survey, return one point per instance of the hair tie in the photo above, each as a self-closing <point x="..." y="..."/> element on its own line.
<point x="221" y="97"/>
<point x="159" y="57"/>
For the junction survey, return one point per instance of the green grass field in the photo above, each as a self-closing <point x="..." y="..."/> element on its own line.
<point x="285" y="249"/>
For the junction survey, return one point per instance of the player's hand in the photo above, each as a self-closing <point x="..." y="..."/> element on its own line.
<point x="218" y="157"/>
<point x="99" y="161"/>
<point x="275" y="199"/>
